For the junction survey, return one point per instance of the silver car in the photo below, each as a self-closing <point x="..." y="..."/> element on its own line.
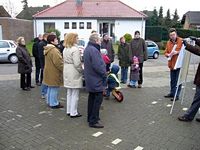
<point x="8" y="51"/>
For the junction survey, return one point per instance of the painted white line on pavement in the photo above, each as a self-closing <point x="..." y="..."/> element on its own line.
<point x="160" y="99"/>
<point x="42" y="112"/>
<point x="116" y="141"/>
<point x="169" y="105"/>
<point x="97" y="134"/>
<point x="185" y="109"/>
<point x="38" y="125"/>
<point x="10" y="111"/>
<point x="154" y="102"/>
<point x="152" y="122"/>
<point x="139" y="148"/>
<point x="19" y="116"/>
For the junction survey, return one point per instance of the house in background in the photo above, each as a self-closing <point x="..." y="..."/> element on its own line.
<point x="11" y="28"/>
<point x="3" y="13"/>
<point x="191" y="20"/>
<point x="82" y="16"/>
<point x="28" y="12"/>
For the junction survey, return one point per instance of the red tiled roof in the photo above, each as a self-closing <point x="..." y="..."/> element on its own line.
<point x="91" y="9"/>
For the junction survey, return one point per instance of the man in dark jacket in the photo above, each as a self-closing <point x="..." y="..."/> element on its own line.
<point x="95" y="74"/>
<point x="138" y="48"/>
<point x="190" y="114"/>
<point x="123" y="56"/>
<point x="41" y="46"/>
<point x="37" y="61"/>
<point x="107" y="44"/>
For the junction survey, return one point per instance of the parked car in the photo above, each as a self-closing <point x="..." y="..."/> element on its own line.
<point x="153" y="49"/>
<point x="8" y="51"/>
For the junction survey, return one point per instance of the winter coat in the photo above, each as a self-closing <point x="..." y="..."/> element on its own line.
<point x="169" y="47"/>
<point x="41" y="46"/>
<point x="106" y="59"/>
<point x="134" y="73"/>
<point x="195" y="50"/>
<point x="111" y="81"/>
<point x="138" y="48"/>
<point x="35" y="48"/>
<point x="109" y="47"/>
<point x="123" y="55"/>
<point x="94" y="68"/>
<point x="24" y="60"/>
<point x="53" y="69"/>
<point x="72" y="72"/>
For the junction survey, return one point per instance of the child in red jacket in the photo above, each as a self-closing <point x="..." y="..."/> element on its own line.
<point x="106" y="59"/>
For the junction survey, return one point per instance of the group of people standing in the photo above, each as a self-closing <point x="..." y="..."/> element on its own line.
<point x="56" y="68"/>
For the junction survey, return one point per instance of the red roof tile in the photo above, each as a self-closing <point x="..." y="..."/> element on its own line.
<point x="91" y="9"/>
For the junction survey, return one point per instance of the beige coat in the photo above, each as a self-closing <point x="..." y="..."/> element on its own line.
<point x="53" y="69"/>
<point x="72" y="72"/>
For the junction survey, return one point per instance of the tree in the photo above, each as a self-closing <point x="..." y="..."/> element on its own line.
<point x="168" y="19"/>
<point x="154" y="18"/>
<point x="25" y="4"/>
<point x="160" y="16"/>
<point x="175" y="16"/>
<point x="175" y="21"/>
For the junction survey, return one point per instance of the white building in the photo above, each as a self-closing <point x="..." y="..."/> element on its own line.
<point x="82" y="16"/>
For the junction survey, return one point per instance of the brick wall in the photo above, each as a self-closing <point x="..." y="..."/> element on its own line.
<point x="13" y="28"/>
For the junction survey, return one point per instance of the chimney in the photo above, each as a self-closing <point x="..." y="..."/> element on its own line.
<point x="79" y="3"/>
<point x="79" y="7"/>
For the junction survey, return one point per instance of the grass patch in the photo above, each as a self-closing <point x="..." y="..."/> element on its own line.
<point x="29" y="47"/>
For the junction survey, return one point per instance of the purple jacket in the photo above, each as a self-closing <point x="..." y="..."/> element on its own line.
<point x="94" y="68"/>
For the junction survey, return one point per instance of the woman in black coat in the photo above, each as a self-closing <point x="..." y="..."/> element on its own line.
<point x="24" y="64"/>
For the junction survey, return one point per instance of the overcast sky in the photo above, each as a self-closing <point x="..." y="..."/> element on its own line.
<point x="182" y="6"/>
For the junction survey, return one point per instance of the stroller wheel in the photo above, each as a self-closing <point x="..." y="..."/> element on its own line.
<point x="118" y="96"/>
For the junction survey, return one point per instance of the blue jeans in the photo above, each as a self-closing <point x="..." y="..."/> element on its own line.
<point x="190" y="114"/>
<point x="44" y="88"/>
<point x="133" y="82"/>
<point x="124" y="74"/>
<point x="52" y="96"/>
<point x="174" y="74"/>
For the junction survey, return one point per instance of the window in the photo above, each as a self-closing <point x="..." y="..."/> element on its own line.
<point x="89" y="25"/>
<point x="66" y="25"/>
<point x="74" y="25"/>
<point x="12" y="45"/>
<point x="81" y="25"/>
<point x="4" y="44"/>
<point x="150" y="44"/>
<point x="49" y="25"/>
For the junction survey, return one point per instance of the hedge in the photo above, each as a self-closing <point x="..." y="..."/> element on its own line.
<point x="158" y="33"/>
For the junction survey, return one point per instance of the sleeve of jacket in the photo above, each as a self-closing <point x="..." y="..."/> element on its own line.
<point x="145" y="51"/>
<point x="179" y="45"/>
<point x="167" y="52"/>
<point x="57" y="60"/>
<point x="119" y="52"/>
<point x="77" y="60"/>
<point x="34" y="50"/>
<point x="198" y="42"/>
<point x="97" y="63"/>
<point x="130" y="53"/>
<point x="20" y="56"/>
<point x="193" y="49"/>
<point x="113" y="52"/>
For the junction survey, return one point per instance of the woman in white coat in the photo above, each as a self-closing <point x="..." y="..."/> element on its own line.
<point x="72" y="73"/>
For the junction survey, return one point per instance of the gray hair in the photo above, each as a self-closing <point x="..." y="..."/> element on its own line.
<point x="94" y="37"/>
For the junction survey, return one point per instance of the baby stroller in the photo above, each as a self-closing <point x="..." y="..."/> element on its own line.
<point x="113" y="84"/>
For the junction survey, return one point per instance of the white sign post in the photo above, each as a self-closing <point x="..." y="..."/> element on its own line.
<point x="182" y="62"/>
